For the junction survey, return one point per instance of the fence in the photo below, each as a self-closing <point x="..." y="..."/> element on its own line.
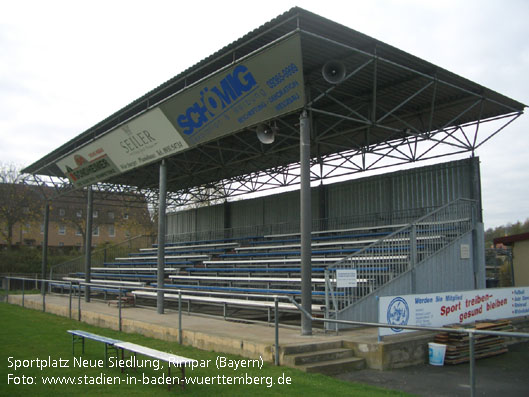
<point x="470" y="332"/>
<point x="100" y="256"/>
<point x="399" y="252"/>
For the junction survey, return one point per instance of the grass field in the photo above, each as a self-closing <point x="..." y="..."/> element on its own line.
<point x="27" y="335"/>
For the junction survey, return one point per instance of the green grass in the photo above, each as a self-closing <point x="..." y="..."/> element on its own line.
<point x="27" y="334"/>
<point x="33" y="291"/>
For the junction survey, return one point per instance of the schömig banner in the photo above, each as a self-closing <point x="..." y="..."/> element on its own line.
<point x="436" y="310"/>
<point x="259" y="88"/>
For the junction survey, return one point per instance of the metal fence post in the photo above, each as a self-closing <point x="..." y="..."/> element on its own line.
<point x="70" y="302"/>
<point x="44" y="264"/>
<point x="7" y="288"/>
<point x="23" y="292"/>
<point x="119" y="306"/>
<point x="43" y="296"/>
<point x="276" y="321"/>
<point x="180" y="317"/>
<point x="79" y="303"/>
<point x="413" y="256"/>
<point x="472" y="364"/>
<point x="327" y="301"/>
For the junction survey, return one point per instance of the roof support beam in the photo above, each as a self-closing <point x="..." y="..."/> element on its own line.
<point x="306" y="223"/>
<point x="88" y="243"/>
<point x="161" y="237"/>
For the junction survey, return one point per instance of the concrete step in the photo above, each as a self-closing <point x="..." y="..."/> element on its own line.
<point x="317" y="356"/>
<point x="334" y="367"/>
<point x="310" y="347"/>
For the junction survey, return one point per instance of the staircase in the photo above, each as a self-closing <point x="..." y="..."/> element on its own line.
<point x="329" y="358"/>
<point x="399" y="254"/>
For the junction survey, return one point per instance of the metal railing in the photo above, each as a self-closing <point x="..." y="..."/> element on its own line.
<point x="399" y="252"/>
<point x="101" y="255"/>
<point x="472" y="333"/>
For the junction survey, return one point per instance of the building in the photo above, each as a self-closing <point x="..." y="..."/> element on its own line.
<point x="520" y="256"/>
<point x="116" y="218"/>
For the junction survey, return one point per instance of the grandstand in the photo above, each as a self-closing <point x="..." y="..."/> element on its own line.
<point x="300" y="101"/>
<point x="240" y="275"/>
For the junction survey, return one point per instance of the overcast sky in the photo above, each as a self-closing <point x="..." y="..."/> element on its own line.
<point x="66" y="65"/>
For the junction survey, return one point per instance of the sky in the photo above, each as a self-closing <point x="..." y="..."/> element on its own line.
<point x="66" y="65"/>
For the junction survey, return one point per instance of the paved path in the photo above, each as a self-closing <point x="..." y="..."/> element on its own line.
<point x="506" y="375"/>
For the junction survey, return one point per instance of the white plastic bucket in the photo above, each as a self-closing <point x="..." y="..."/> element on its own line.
<point x="436" y="353"/>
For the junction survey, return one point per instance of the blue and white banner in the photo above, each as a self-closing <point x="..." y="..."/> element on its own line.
<point x="436" y="310"/>
<point x="260" y="88"/>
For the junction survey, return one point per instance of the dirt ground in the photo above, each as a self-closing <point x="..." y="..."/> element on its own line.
<point x="506" y="375"/>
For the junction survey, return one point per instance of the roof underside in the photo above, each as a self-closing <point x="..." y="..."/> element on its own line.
<point x="389" y="100"/>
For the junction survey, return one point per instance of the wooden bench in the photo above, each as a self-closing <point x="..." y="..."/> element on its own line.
<point x="222" y="300"/>
<point x="63" y="285"/>
<point x="143" y="258"/>
<point x="146" y="263"/>
<point x="240" y="289"/>
<point x="79" y="336"/>
<point x="170" y="359"/>
<point x="270" y="261"/>
<point x="355" y="229"/>
<point x="107" y="282"/>
<point x="247" y="279"/>
<point x="191" y="246"/>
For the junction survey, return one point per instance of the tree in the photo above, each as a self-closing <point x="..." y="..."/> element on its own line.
<point x="505" y="230"/>
<point x="20" y="202"/>
<point x="124" y="213"/>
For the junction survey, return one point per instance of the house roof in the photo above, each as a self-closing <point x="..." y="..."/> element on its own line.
<point x="510" y="240"/>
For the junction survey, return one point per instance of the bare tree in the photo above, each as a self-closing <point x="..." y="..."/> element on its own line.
<point x="20" y="203"/>
<point x="126" y="213"/>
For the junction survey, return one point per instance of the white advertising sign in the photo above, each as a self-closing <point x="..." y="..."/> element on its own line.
<point x="436" y="310"/>
<point x="143" y="140"/>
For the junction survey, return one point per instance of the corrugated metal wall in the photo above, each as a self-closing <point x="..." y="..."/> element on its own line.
<point x="401" y="191"/>
<point x="196" y="220"/>
<point x="425" y="187"/>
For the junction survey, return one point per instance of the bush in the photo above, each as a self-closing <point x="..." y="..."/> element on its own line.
<point x="29" y="259"/>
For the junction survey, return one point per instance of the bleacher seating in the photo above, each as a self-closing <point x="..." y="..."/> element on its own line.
<point x="252" y="270"/>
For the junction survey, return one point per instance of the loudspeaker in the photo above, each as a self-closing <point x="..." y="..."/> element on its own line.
<point x="266" y="134"/>
<point x="333" y="71"/>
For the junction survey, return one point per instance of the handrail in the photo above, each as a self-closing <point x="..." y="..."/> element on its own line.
<point x="403" y="228"/>
<point x="401" y="250"/>
<point x="471" y="336"/>
<point x="471" y="332"/>
<point x="80" y="259"/>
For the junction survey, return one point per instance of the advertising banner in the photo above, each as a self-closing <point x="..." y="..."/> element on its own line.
<point x="436" y="310"/>
<point x="145" y="139"/>
<point x="262" y="87"/>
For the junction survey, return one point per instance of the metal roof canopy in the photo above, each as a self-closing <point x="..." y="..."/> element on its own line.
<point x="391" y="108"/>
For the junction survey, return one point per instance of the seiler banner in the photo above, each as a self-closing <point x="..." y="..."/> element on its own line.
<point x="436" y="310"/>
<point x="258" y="88"/>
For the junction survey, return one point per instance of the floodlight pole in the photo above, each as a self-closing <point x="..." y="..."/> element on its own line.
<point x="45" y="246"/>
<point x="161" y="236"/>
<point x="305" y="223"/>
<point x="88" y="243"/>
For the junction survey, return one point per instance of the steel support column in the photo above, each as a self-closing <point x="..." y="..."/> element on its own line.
<point x="45" y="246"/>
<point x="306" y="223"/>
<point x="88" y="243"/>
<point x="161" y="236"/>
